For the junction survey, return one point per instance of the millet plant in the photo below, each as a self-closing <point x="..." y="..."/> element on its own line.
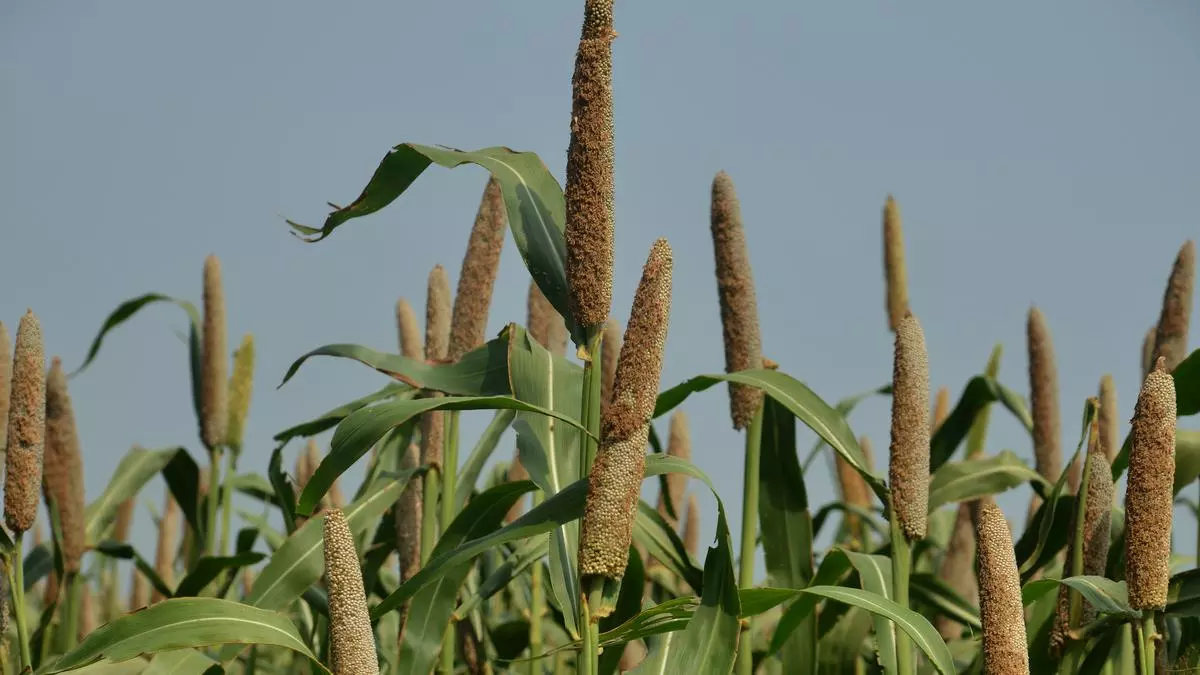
<point x="552" y="562"/>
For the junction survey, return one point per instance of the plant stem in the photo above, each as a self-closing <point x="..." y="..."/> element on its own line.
<point x="750" y="482"/>
<point x="68" y="634"/>
<point x="592" y="379"/>
<point x="1148" y="635"/>
<point x="227" y="505"/>
<point x="16" y="577"/>
<point x="214" y="479"/>
<point x="1139" y="648"/>
<point x="449" y="481"/>
<point x="589" y="658"/>
<point x="537" y="607"/>
<point x="901" y="563"/>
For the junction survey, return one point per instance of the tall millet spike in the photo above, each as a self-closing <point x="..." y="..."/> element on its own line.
<point x="1043" y="400"/>
<point x="895" y="275"/>
<point x="691" y="527"/>
<point x="352" y="641"/>
<point x="941" y="409"/>
<point x="468" y="327"/>
<point x="608" y="362"/>
<point x="589" y="187"/>
<point x="409" y="509"/>
<point x="139" y="590"/>
<point x="1097" y="523"/>
<point x="214" y="404"/>
<point x="1171" y="337"/>
<point x="63" y="475"/>
<point x="437" y="345"/>
<point x="908" y="470"/>
<point x="124" y="520"/>
<point x="679" y="444"/>
<point x="26" y="427"/>
<point x="408" y="330"/>
<point x="333" y="498"/>
<point x="1149" y="491"/>
<point x="615" y="479"/>
<point x="1108" y="418"/>
<point x="1004" y="647"/>
<point x="739" y="307"/>
<point x="544" y="323"/>
<point x="168" y="537"/>
<point x="958" y="569"/>
<point x="852" y="487"/>
<point x="241" y="390"/>
<point x="5" y="385"/>
<point x="1148" y="350"/>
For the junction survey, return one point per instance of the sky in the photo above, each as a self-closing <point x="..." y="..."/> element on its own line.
<point x="1042" y="154"/>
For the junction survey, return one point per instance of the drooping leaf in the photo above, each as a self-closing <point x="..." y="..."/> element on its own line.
<point x="179" y="662"/>
<point x="208" y="568"/>
<point x="532" y="198"/>
<point x="1106" y="595"/>
<point x="468" y="473"/>
<point x="131" y="475"/>
<point x="184" y="622"/>
<point x="934" y="591"/>
<point x="629" y="602"/>
<point x="123" y="551"/>
<point x="969" y="479"/>
<point x="844" y="407"/>
<point x="1183" y="594"/>
<point x="331" y="418"/>
<point x="357" y="433"/>
<point x="663" y="544"/>
<point x="815" y="413"/>
<point x="481" y="372"/>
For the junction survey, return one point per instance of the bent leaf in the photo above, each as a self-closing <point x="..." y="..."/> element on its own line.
<point x="973" y="478"/>
<point x="979" y="393"/>
<point x="180" y="623"/>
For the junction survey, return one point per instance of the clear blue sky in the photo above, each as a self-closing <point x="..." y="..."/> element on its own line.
<point x="1041" y="153"/>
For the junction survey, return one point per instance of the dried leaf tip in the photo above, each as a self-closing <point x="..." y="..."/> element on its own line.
<point x="908" y="470"/>
<point x="26" y="426"/>
<point x="1171" y="336"/>
<point x="1043" y="398"/>
<point x="5" y="386"/>
<point x="894" y="272"/>
<point x="63" y="467"/>
<point x="544" y="323"/>
<point x="214" y="414"/>
<point x="1149" y="492"/>
<point x="616" y="477"/>
<point x="589" y="190"/>
<point x="1005" y="651"/>
<point x="352" y="640"/>
<point x="241" y="390"/>
<point x="468" y="327"/>
<point x="739" y="306"/>
<point x="408" y="330"/>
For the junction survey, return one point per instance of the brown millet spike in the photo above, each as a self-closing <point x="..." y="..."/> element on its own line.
<point x="168" y="536"/>
<point x="410" y="333"/>
<point x="468" y="327"/>
<point x="589" y="187"/>
<point x="63" y="468"/>
<point x="124" y="520"/>
<point x="437" y="344"/>
<point x="1043" y="401"/>
<point x="609" y="351"/>
<point x="679" y="444"/>
<point x="1097" y="524"/>
<point x="50" y="592"/>
<point x="941" y="408"/>
<point x="1001" y="612"/>
<point x="139" y="589"/>
<point x="26" y="427"/>
<point x="544" y="323"/>
<point x="616" y="477"/>
<point x="516" y="472"/>
<point x="739" y="306"/>
<point x="87" y="613"/>
<point x="1170" y="340"/>
<point x="241" y="390"/>
<point x="1149" y="491"/>
<point x="1107" y="417"/>
<point x="854" y="489"/>
<point x="214" y="415"/>
<point x="5" y="384"/>
<point x="408" y="519"/>
<point x="1148" y="350"/>
<point x="352" y="641"/>
<point x="895" y="275"/>
<point x="908" y="470"/>
<point x="958" y="568"/>
<point x="691" y="527"/>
